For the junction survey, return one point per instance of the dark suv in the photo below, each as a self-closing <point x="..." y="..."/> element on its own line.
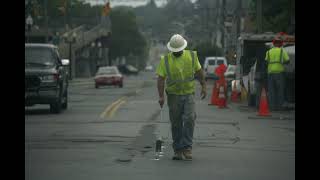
<point x="46" y="77"/>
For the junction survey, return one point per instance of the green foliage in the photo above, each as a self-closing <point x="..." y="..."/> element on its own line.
<point x="151" y="18"/>
<point x="126" y="38"/>
<point x="276" y="14"/>
<point x="178" y="10"/>
<point x="76" y="12"/>
<point x="159" y="21"/>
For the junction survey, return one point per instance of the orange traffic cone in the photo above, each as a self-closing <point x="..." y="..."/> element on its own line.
<point x="234" y="94"/>
<point x="222" y="102"/>
<point x="263" y="107"/>
<point x="214" y="95"/>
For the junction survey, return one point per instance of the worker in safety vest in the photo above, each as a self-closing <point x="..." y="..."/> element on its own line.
<point x="177" y="70"/>
<point x="276" y="57"/>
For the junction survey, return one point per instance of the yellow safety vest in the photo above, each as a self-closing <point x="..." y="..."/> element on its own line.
<point x="180" y="75"/>
<point x="275" y="58"/>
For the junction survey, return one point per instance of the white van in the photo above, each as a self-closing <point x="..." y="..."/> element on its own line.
<point x="210" y="65"/>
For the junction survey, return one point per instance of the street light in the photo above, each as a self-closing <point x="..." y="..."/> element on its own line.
<point x="96" y="53"/>
<point x="93" y="57"/>
<point x="99" y="49"/>
<point x="29" y="22"/>
<point x="70" y="39"/>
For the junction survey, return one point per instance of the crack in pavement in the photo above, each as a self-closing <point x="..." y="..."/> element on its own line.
<point x="140" y="143"/>
<point x="143" y="143"/>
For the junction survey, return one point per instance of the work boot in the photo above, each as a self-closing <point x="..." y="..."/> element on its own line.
<point x="177" y="155"/>
<point x="187" y="154"/>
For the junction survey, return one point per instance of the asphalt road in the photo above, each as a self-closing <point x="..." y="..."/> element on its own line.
<point x="110" y="133"/>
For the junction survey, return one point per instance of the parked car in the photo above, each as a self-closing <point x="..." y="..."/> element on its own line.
<point x="108" y="75"/>
<point x="46" y="77"/>
<point x="210" y="65"/>
<point x="149" y="68"/>
<point x="128" y="69"/>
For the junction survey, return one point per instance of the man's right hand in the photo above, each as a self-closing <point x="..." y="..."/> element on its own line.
<point x="161" y="101"/>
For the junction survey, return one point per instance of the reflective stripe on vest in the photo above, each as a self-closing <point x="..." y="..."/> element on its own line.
<point x="274" y="62"/>
<point x="169" y="80"/>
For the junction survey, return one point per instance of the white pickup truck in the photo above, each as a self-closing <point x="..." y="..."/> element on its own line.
<point x="289" y="78"/>
<point x="252" y="48"/>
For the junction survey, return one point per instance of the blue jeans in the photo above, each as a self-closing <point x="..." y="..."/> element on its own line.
<point x="276" y="90"/>
<point x="182" y="117"/>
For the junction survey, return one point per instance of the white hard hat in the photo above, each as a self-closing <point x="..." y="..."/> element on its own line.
<point x="177" y="43"/>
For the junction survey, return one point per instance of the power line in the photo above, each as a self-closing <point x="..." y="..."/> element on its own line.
<point x="239" y="13"/>
<point x="259" y="15"/>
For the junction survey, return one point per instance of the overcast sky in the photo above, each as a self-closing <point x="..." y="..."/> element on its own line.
<point x="133" y="3"/>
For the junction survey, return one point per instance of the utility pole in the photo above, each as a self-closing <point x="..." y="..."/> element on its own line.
<point x="222" y="23"/>
<point x="98" y="12"/>
<point x="239" y="10"/>
<point x="29" y="22"/>
<point x="210" y="30"/>
<point x="67" y="15"/>
<point x="207" y="10"/>
<point x="46" y="19"/>
<point x="217" y="21"/>
<point x="259" y="15"/>
<point x="209" y="19"/>
<point x="64" y="5"/>
<point x="292" y="17"/>
<point x="204" y="10"/>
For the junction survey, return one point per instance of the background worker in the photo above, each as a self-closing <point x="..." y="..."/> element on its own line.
<point x="276" y="57"/>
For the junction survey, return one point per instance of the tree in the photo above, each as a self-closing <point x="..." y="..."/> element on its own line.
<point x="60" y="12"/>
<point x="126" y="38"/>
<point x="276" y="15"/>
<point x="151" y="18"/>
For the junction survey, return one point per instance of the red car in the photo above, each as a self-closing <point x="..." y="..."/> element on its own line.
<point x="108" y="75"/>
